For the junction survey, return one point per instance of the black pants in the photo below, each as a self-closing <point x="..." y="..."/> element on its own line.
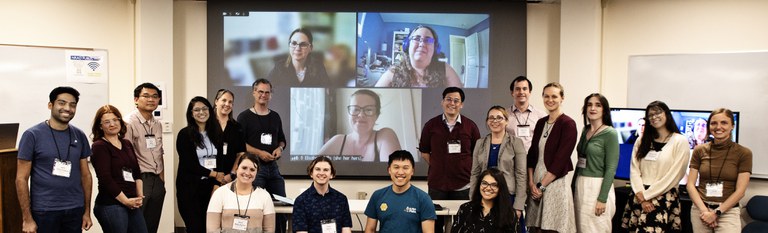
<point x="446" y="195"/>
<point x="193" y="198"/>
<point x="154" y="194"/>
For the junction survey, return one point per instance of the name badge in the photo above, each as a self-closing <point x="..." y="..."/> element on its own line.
<point x="151" y="141"/>
<point x="582" y="162"/>
<point x="128" y="175"/>
<point x="62" y="168"/>
<point x="523" y="131"/>
<point x="715" y="189"/>
<point x="266" y="139"/>
<point x="209" y="163"/>
<point x="225" y="148"/>
<point x="652" y="155"/>
<point x="328" y="225"/>
<point x="240" y="223"/>
<point x="454" y="146"/>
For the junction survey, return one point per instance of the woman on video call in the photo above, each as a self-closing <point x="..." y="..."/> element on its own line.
<point x="300" y="68"/>
<point x="372" y="145"/>
<point x="658" y="164"/>
<point x="723" y="168"/>
<point x="420" y="66"/>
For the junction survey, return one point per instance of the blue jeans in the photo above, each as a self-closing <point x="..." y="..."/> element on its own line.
<point x="120" y="219"/>
<point x="270" y="179"/>
<point x="59" y="221"/>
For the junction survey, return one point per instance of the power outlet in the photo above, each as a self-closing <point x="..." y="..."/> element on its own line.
<point x="361" y="195"/>
<point x="167" y="127"/>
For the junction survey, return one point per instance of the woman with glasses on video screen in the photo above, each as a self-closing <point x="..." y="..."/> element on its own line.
<point x="550" y="202"/>
<point x="658" y="163"/>
<point x="499" y="150"/>
<point x="300" y="68"/>
<point x="723" y="168"/>
<point x="420" y="66"/>
<point x="598" y="158"/>
<point x="371" y="145"/>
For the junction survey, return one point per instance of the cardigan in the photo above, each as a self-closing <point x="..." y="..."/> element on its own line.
<point x="665" y="172"/>
<point x="560" y="144"/>
<point x="602" y="153"/>
<point x="512" y="162"/>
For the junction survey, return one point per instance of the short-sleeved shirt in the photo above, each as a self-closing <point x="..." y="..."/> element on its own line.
<point x="255" y="126"/>
<point x="137" y="132"/>
<point x="225" y="201"/>
<point x="523" y="117"/>
<point x="310" y="208"/>
<point x="41" y="145"/>
<point x="713" y="166"/>
<point x="448" y="171"/>
<point x="400" y="212"/>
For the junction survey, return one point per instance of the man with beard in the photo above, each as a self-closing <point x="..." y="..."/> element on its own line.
<point x="53" y="155"/>
<point x="401" y="207"/>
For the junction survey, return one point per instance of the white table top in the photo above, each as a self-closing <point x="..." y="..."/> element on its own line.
<point x="450" y="207"/>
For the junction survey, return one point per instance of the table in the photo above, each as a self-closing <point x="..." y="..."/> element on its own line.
<point x="450" y="208"/>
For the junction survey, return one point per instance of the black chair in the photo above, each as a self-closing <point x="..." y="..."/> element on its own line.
<point x="756" y="207"/>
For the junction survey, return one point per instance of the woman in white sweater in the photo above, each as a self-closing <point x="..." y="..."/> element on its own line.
<point x="658" y="164"/>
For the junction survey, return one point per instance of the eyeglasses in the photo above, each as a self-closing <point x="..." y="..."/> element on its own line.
<point x="485" y="184"/>
<point x="425" y="40"/>
<point x="303" y="45"/>
<point x="147" y="96"/>
<point x="655" y="115"/>
<point x="110" y="121"/>
<point x="203" y="109"/>
<point x="452" y="100"/>
<point x="260" y="92"/>
<point x="496" y="119"/>
<point x="355" y="110"/>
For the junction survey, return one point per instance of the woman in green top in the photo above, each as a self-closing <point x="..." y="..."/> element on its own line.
<point x="598" y="151"/>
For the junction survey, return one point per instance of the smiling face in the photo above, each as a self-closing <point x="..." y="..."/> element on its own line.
<point x="521" y="92"/>
<point x="262" y="93"/>
<point x="321" y="173"/>
<point x="721" y="127"/>
<point x="400" y="171"/>
<point x="489" y="187"/>
<point x="110" y="124"/>
<point x="552" y="98"/>
<point x="224" y="104"/>
<point x="594" y="109"/>
<point x="452" y="104"/>
<point x="362" y="122"/>
<point x="421" y="53"/>
<point x="246" y="172"/>
<point x="300" y="46"/>
<point x="657" y="118"/>
<point x="63" y="108"/>
<point x="497" y="122"/>
<point x="200" y="112"/>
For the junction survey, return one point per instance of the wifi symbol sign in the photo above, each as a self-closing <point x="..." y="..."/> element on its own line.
<point x="93" y="65"/>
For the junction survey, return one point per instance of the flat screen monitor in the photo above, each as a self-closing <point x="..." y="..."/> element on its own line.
<point x="629" y="124"/>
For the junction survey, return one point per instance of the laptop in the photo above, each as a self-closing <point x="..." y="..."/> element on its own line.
<point x="8" y="134"/>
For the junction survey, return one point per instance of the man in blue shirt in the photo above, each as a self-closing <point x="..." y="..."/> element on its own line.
<point x="321" y="208"/>
<point x="53" y="155"/>
<point x="401" y="207"/>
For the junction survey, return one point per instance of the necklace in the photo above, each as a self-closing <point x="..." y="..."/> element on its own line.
<point x="548" y="128"/>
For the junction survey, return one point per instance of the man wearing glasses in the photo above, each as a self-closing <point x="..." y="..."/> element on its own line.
<point x="264" y="137"/>
<point x="446" y="143"/>
<point x="146" y="134"/>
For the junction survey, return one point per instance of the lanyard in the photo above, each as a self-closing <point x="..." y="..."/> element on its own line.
<point x="69" y="132"/>
<point x="721" y="166"/>
<point x="526" y="118"/>
<point x="238" y="202"/>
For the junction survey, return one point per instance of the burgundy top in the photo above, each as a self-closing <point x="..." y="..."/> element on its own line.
<point x="109" y="162"/>
<point x="448" y="172"/>
<point x="560" y="144"/>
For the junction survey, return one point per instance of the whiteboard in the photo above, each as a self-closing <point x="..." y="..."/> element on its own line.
<point x="27" y="76"/>
<point x="738" y="81"/>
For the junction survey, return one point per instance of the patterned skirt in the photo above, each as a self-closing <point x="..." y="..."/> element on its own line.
<point x="664" y="218"/>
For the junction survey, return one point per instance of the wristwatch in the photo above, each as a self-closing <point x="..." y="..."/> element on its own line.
<point x="541" y="187"/>
<point x="718" y="212"/>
